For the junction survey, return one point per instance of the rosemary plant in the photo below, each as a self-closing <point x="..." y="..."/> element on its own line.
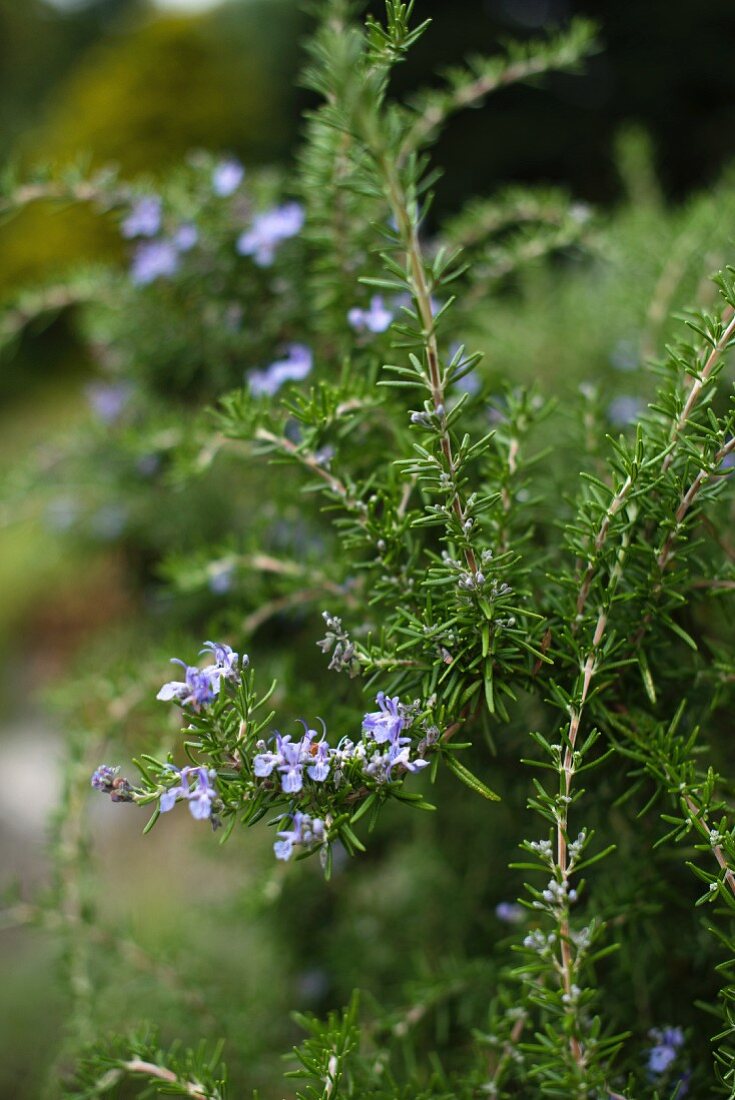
<point x="440" y="567"/>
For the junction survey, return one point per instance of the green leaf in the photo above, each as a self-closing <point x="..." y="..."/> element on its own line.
<point x="470" y="779"/>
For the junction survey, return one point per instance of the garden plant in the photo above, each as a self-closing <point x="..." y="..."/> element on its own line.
<point x="435" y="516"/>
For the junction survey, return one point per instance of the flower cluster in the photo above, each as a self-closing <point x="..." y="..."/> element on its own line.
<point x="227" y="177"/>
<point x="377" y="318"/>
<point x="268" y="230"/>
<point x="382" y="751"/>
<point x="200" y="797"/>
<point x="109" y="781"/>
<point x="667" y="1041"/>
<point x="294" y="368"/>
<point x="144" y="219"/>
<point x="108" y="399"/>
<point x="291" y="757"/>
<point x="200" y="685"/>
<point x="306" y="831"/>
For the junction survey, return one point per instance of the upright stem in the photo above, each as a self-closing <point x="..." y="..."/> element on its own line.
<point x="422" y="295"/>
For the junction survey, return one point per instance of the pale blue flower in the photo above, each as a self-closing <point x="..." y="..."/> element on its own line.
<point x="306" y="830"/>
<point x="319" y="768"/>
<point x="200" y="797"/>
<point x="377" y="318"/>
<point x="185" y="237"/>
<point x="226" y="661"/>
<point x="384" y="724"/>
<point x="667" y="1041"/>
<point x="510" y="912"/>
<point x="154" y="260"/>
<point x="197" y="689"/>
<point x="291" y="764"/>
<point x="294" y="368"/>
<point x="108" y="399"/>
<point x="103" y="778"/>
<point x="268" y="230"/>
<point x="144" y="219"/>
<point x="227" y="177"/>
<point x="220" y="577"/>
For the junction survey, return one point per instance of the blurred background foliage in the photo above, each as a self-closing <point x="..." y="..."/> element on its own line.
<point x="646" y="136"/>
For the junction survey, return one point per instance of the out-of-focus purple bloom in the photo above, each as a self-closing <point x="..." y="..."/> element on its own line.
<point x="220" y="577"/>
<point x="144" y="219"/>
<point x="306" y="830"/>
<point x="200" y="797"/>
<point x="294" y="368"/>
<point x="154" y="260"/>
<point x="268" y="230"/>
<point x="624" y="410"/>
<point x="197" y="689"/>
<point x="108" y="399"/>
<point x="660" y="1058"/>
<point x="185" y="237"/>
<point x="384" y="724"/>
<point x="667" y="1042"/>
<point x="227" y="177"/>
<point x="510" y="912"/>
<point x="377" y="318"/>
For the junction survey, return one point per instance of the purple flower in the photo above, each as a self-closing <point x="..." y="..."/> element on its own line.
<point x="108" y="780"/>
<point x="667" y="1042"/>
<point x="660" y="1058"/>
<point x="103" y="778"/>
<point x="377" y="318"/>
<point x="398" y="756"/>
<point x="225" y="662"/>
<point x="144" y="219"/>
<point x="294" y="368"/>
<point x="319" y="768"/>
<point x="264" y="762"/>
<point x="220" y="577"/>
<point x="154" y="260"/>
<point x="200" y="798"/>
<point x="306" y="830"/>
<point x="509" y="912"/>
<point x="227" y="177"/>
<point x="268" y="230"/>
<point x="291" y="761"/>
<point x="108" y="399"/>
<point x="197" y="689"/>
<point x="185" y="237"/>
<point x="384" y="724"/>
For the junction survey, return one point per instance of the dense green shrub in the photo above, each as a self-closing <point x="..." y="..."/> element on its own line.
<point x="523" y="550"/>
